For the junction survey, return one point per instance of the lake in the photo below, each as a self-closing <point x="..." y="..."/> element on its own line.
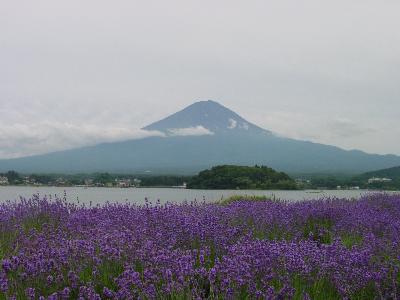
<point x="138" y="195"/>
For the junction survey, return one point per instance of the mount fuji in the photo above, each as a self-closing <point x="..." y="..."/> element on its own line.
<point x="202" y="135"/>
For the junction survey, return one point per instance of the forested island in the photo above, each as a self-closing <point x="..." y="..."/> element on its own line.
<point x="241" y="177"/>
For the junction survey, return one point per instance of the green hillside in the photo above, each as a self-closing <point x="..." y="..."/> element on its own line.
<point x="392" y="173"/>
<point x="241" y="177"/>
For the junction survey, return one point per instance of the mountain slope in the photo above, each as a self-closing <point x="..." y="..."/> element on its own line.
<point x="219" y="142"/>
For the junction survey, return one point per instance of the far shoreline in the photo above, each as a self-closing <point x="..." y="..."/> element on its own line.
<point x="316" y="190"/>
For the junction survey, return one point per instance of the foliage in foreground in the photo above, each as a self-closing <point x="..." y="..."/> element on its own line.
<point x="323" y="249"/>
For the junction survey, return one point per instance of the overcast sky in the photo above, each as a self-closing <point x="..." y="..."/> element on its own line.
<point x="79" y="72"/>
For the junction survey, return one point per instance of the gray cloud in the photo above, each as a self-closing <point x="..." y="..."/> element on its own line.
<point x="326" y="71"/>
<point x="23" y="139"/>
<point x="190" y="131"/>
<point x="342" y="128"/>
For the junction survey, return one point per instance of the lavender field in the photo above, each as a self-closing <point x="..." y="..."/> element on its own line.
<point x="321" y="249"/>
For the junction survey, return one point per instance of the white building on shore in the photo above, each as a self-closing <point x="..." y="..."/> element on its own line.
<point x="378" y="179"/>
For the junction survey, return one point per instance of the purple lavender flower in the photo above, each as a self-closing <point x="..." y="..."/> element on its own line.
<point x="65" y="293"/>
<point x="30" y="293"/>
<point x="6" y="265"/>
<point x="255" y="250"/>
<point x="107" y="292"/>
<point x="50" y="279"/>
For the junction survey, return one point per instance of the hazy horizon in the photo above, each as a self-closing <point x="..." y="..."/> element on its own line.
<point x="78" y="73"/>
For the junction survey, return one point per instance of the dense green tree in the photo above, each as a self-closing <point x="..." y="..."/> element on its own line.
<point x="13" y="177"/>
<point x="241" y="177"/>
<point x="103" y="178"/>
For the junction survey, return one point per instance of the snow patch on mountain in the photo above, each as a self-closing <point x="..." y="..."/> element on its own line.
<point x="232" y="124"/>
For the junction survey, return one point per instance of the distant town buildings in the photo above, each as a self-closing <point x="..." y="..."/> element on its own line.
<point x="354" y="188"/>
<point x="123" y="183"/>
<point x="88" y="182"/>
<point x="136" y="182"/>
<point x="3" y="180"/>
<point x="61" y="182"/>
<point x="378" y="179"/>
<point x="183" y="186"/>
<point x="302" y="181"/>
<point x="28" y="180"/>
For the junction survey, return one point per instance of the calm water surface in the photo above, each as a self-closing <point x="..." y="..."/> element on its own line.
<point x="138" y="195"/>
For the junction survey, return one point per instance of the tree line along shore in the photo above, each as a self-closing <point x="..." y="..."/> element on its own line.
<point x="218" y="177"/>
